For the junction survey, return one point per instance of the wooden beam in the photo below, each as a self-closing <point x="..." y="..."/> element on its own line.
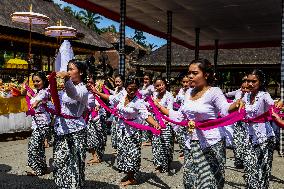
<point x="34" y="42"/>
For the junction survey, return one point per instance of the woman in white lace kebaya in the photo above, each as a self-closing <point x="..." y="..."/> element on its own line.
<point x="132" y="109"/>
<point x="205" y="150"/>
<point x="69" y="151"/>
<point x="120" y="92"/>
<point x="40" y="125"/>
<point x="146" y="91"/>
<point x="96" y="131"/>
<point x="179" y="99"/>
<point x="163" y="144"/>
<point x="260" y="138"/>
<point x="239" y="128"/>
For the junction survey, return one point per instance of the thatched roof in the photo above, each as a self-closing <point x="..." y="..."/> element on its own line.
<point x="181" y="56"/>
<point x="55" y="14"/>
<point x="114" y="39"/>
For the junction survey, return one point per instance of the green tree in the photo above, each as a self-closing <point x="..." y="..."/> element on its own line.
<point x="69" y="10"/>
<point x="110" y="28"/>
<point x="139" y="38"/>
<point x="151" y="46"/>
<point x="91" y="20"/>
<point x="78" y="16"/>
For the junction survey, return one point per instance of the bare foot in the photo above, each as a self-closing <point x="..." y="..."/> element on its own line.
<point x="30" y="171"/>
<point x="158" y="170"/>
<point x="129" y="182"/>
<point x="46" y="145"/>
<point x="146" y="144"/>
<point x="94" y="161"/>
<point x="181" y="156"/>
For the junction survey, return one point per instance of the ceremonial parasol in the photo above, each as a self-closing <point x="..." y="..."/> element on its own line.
<point x="30" y="18"/>
<point x="60" y="31"/>
<point x="65" y="52"/>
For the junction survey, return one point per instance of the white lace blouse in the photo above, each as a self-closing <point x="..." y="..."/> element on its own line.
<point x="167" y="100"/>
<point x="259" y="132"/>
<point x="147" y="91"/>
<point x="92" y="103"/>
<point x="42" y="117"/>
<point x="135" y="111"/>
<point x="180" y="96"/>
<point x="73" y="103"/>
<point x="206" y="107"/>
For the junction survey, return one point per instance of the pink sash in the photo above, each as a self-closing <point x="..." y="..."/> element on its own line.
<point x="128" y="122"/>
<point x="105" y="90"/>
<point x="55" y="98"/>
<point x="30" y="111"/>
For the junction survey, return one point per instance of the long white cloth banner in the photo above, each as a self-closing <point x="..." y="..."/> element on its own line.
<point x="15" y="122"/>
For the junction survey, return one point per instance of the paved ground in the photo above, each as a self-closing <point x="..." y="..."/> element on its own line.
<point x="13" y="155"/>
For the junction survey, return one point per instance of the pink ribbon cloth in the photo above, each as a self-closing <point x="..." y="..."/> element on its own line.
<point x="105" y="90"/>
<point x="30" y="111"/>
<point x="130" y="123"/>
<point x="55" y="98"/>
<point x="156" y="112"/>
<point x="91" y="112"/>
<point x="176" y="105"/>
<point x="54" y="93"/>
<point x="229" y="120"/>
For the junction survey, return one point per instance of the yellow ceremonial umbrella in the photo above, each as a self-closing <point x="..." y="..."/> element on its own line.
<point x="17" y="63"/>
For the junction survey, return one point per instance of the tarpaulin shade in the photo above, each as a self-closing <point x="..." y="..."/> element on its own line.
<point x="235" y="23"/>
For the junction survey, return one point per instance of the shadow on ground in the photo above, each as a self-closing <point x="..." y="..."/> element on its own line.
<point x="15" y="136"/>
<point x="152" y="179"/>
<point x="12" y="181"/>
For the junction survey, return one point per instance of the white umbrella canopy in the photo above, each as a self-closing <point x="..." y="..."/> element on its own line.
<point x="60" y="31"/>
<point x="30" y="17"/>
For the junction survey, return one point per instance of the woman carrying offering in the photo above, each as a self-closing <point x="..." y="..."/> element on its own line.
<point x="132" y="109"/>
<point x="205" y="155"/>
<point x="69" y="151"/>
<point x="40" y="125"/>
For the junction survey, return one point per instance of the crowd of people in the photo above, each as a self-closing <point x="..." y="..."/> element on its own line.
<point x="150" y="115"/>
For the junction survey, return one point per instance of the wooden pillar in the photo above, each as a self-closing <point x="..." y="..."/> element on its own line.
<point x="282" y="77"/>
<point x="48" y="63"/>
<point x="121" y="68"/>
<point x="40" y="57"/>
<point x="197" y="35"/>
<point x="216" y="54"/>
<point x="169" y="45"/>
